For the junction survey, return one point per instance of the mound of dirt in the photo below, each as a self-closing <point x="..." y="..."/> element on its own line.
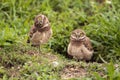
<point x="73" y="71"/>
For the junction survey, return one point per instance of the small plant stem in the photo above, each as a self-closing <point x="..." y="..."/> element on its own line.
<point x="102" y="59"/>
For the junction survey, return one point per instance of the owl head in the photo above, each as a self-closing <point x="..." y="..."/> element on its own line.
<point x="77" y="35"/>
<point x="39" y="20"/>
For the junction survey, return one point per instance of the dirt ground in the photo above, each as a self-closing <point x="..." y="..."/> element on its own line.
<point x="72" y="71"/>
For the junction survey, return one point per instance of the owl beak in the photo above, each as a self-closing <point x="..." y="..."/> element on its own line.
<point x="40" y="22"/>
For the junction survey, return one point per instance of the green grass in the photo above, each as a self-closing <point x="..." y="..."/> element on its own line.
<point x="100" y="22"/>
<point x="18" y="62"/>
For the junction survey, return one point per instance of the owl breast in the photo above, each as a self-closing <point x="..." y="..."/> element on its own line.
<point x="79" y="52"/>
<point x="41" y="37"/>
<point x="75" y="51"/>
<point x="35" y="40"/>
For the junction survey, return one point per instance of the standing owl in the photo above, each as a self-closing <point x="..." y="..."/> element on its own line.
<point x="40" y="32"/>
<point x="80" y="46"/>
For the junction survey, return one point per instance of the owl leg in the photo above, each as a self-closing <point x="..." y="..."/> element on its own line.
<point x="76" y="59"/>
<point x="39" y="49"/>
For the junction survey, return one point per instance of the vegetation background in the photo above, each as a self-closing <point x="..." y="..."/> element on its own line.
<point x="100" y="21"/>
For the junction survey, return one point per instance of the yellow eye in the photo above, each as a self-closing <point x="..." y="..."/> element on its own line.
<point x="39" y="19"/>
<point x="81" y="34"/>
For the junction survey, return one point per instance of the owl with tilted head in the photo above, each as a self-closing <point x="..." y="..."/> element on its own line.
<point x="80" y="47"/>
<point x="41" y="31"/>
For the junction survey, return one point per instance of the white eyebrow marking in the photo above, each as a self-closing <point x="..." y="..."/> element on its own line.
<point x="73" y="36"/>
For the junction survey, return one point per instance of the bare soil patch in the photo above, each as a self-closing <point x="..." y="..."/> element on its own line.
<point x="51" y="57"/>
<point x="73" y="71"/>
<point x="32" y="52"/>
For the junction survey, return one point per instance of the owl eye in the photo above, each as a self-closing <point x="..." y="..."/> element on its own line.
<point x="73" y="36"/>
<point x="81" y="34"/>
<point x="39" y="19"/>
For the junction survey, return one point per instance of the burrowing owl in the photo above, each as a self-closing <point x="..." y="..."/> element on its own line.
<point x="80" y="46"/>
<point x="41" y="31"/>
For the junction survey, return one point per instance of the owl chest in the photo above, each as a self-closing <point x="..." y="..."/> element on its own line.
<point x="40" y="37"/>
<point x="76" y="51"/>
<point x="36" y="38"/>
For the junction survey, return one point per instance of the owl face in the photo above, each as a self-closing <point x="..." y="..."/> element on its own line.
<point x="78" y="35"/>
<point x="39" y="21"/>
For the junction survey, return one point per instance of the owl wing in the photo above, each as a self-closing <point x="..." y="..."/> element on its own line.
<point x="32" y="31"/>
<point x="87" y="44"/>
